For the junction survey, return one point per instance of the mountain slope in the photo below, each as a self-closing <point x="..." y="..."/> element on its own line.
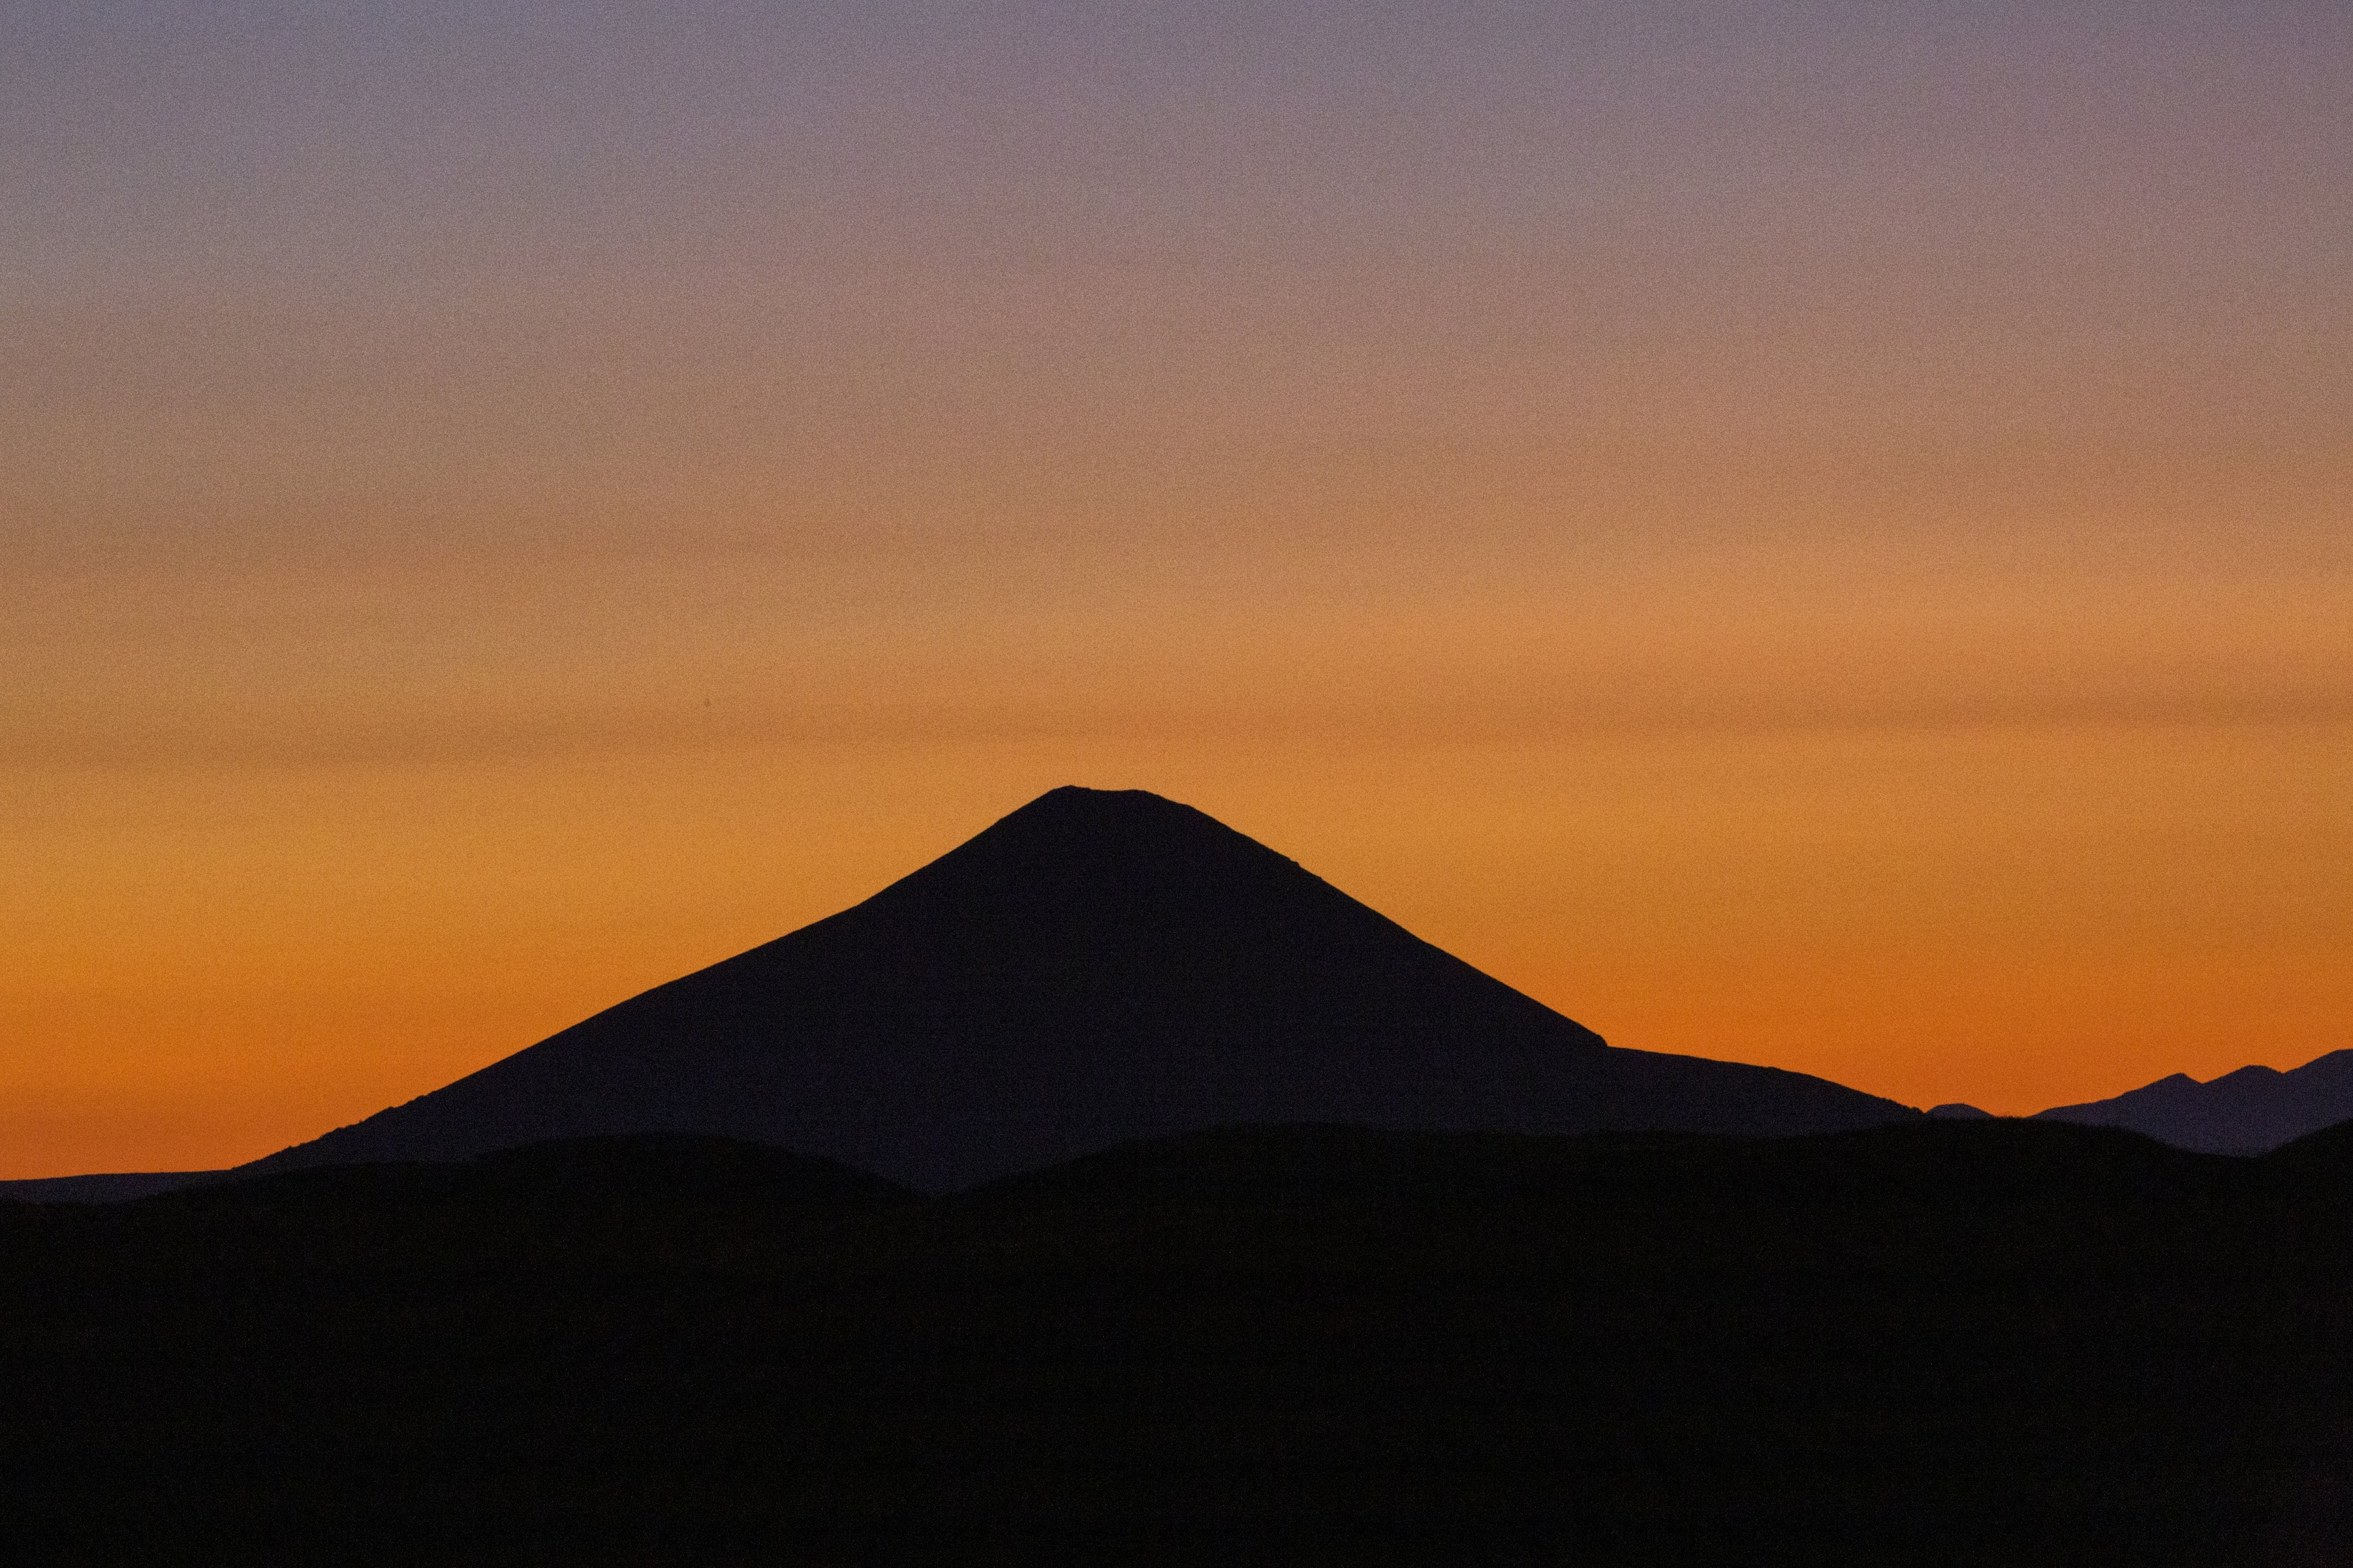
<point x="1097" y="967"/>
<point x="2248" y="1111"/>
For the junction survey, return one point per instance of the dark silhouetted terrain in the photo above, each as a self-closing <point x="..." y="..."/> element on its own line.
<point x="1097" y="967"/>
<point x="1224" y="1221"/>
<point x="1940" y="1342"/>
<point x="112" y="1188"/>
<point x="2244" y="1112"/>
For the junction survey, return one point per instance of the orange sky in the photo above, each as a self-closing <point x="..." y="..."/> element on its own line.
<point x="1819" y="540"/>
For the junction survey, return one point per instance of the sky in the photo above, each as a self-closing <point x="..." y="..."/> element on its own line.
<point x="1807" y="534"/>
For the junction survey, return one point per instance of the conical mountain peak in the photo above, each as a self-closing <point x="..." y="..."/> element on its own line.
<point x="1071" y="836"/>
<point x="1099" y="965"/>
<point x="1119" y="892"/>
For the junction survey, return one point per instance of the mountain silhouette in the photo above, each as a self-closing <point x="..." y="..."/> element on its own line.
<point x="1097" y="967"/>
<point x="2249" y="1112"/>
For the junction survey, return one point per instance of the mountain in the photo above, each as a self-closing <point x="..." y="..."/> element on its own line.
<point x="1097" y="967"/>
<point x="2248" y="1111"/>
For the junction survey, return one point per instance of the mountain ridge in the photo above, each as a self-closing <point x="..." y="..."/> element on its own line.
<point x="2249" y="1110"/>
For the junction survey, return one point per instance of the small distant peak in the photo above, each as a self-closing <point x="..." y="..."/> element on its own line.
<point x="2254" y="1073"/>
<point x="1954" y="1111"/>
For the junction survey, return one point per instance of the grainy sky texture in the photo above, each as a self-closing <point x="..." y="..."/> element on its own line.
<point x="1807" y="533"/>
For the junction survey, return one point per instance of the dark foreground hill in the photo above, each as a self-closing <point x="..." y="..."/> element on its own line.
<point x="1097" y="967"/>
<point x="1941" y="1342"/>
<point x="114" y="1187"/>
<point x="2243" y="1112"/>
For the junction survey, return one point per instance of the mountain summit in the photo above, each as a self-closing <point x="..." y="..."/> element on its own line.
<point x="1097" y="967"/>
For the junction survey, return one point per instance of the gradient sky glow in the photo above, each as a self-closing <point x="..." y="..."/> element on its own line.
<point x="1819" y="534"/>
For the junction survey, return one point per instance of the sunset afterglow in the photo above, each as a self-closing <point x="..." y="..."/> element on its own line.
<point x="1809" y="534"/>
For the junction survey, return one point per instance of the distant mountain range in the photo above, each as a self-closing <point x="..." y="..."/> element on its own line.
<point x="1104" y="966"/>
<point x="2249" y="1112"/>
